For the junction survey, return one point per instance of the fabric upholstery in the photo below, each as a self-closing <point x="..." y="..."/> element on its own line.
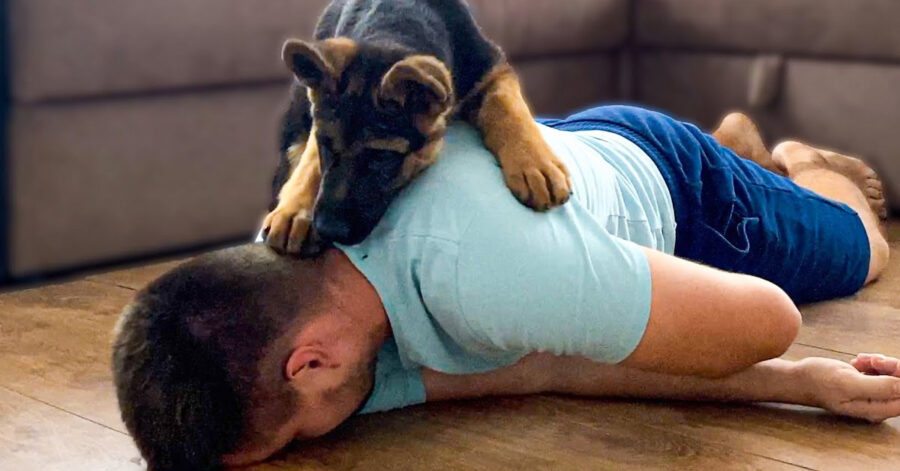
<point x="140" y="127"/>
<point x="555" y="86"/>
<point x="526" y="28"/>
<point x="66" y="49"/>
<point x="817" y="102"/>
<point x="106" y="179"/>
<point x="864" y="29"/>
<point x="103" y="180"/>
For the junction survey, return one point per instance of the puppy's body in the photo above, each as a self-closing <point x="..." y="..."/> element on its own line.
<point x="369" y="109"/>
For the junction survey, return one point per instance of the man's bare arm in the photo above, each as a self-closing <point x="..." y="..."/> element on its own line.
<point x="709" y="322"/>
<point x="817" y="382"/>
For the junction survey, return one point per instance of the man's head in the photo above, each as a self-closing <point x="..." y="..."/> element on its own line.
<point x="227" y="358"/>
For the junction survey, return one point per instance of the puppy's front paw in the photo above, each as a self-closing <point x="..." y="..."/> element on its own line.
<point x="536" y="176"/>
<point x="286" y="228"/>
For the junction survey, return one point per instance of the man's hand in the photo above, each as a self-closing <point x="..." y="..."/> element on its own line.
<point x="850" y="389"/>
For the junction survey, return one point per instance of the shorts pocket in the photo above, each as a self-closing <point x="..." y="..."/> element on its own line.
<point x="727" y="245"/>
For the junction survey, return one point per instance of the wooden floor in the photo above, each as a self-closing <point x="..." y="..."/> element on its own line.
<point x="58" y="412"/>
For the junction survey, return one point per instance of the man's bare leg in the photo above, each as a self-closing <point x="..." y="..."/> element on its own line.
<point x="738" y="133"/>
<point x="826" y="173"/>
<point x="843" y="179"/>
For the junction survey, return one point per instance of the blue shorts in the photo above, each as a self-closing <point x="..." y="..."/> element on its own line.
<point x="734" y="215"/>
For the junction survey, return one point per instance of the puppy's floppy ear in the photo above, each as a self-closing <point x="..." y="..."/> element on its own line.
<point x="421" y="84"/>
<point x="319" y="63"/>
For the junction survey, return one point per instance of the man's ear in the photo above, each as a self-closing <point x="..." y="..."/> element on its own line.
<point x="304" y="360"/>
<point x="318" y="63"/>
<point x="421" y="84"/>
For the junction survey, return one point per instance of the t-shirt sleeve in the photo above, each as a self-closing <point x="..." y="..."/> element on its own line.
<point x="394" y="387"/>
<point x="557" y="282"/>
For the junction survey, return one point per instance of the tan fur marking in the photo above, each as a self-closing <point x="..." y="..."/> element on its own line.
<point x="339" y="52"/>
<point x="288" y="224"/>
<point x="533" y="172"/>
<point x="295" y="153"/>
<point x="397" y="144"/>
<point x="313" y="97"/>
<point x="424" y="70"/>
<point x="331" y="57"/>
<point x="427" y="71"/>
<point x="417" y="162"/>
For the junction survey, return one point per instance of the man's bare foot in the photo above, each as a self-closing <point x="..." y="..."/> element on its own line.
<point x="738" y="133"/>
<point x="796" y="157"/>
<point x="876" y="364"/>
<point x="864" y="176"/>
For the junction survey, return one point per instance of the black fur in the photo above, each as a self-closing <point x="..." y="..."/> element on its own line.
<point x="386" y="31"/>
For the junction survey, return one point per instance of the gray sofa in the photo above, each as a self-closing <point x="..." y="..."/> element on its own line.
<point x="136" y="128"/>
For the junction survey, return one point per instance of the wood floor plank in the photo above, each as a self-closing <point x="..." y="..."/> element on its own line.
<point x="136" y="277"/>
<point x="35" y="436"/>
<point x="799" y="351"/>
<point x="55" y="346"/>
<point x="886" y="291"/>
<point x="852" y="327"/>
<point x="801" y="436"/>
<point x="536" y="433"/>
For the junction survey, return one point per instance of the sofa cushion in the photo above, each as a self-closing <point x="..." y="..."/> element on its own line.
<point x="835" y="28"/>
<point x="526" y="28"/>
<point x="110" y="179"/>
<point x="101" y="180"/>
<point x="65" y="48"/>
<point x="559" y="86"/>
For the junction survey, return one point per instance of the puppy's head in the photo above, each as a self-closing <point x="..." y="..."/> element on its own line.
<point x="379" y="115"/>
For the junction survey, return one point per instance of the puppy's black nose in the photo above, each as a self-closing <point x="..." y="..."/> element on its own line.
<point x="332" y="228"/>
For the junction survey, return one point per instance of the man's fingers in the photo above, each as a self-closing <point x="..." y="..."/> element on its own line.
<point x="886" y="365"/>
<point x="876" y="388"/>
<point x="874" y="411"/>
<point x="876" y="364"/>
<point x="862" y="364"/>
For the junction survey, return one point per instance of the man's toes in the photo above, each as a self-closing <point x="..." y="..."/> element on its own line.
<point x="874" y="193"/>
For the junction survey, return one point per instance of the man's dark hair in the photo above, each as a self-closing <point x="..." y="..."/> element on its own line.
<point x="195" y="357"/>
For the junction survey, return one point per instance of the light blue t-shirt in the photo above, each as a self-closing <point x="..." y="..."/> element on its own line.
<point x="472" y="280"/>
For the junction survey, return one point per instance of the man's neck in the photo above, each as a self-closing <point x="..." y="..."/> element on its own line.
<point x="358" y="298"/>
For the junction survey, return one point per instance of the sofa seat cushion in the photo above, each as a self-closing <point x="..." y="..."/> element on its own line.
<point x="865" y="29"/>
<point x="66" y="49"/>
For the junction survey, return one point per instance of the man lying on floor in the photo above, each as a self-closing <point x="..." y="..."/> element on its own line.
<point x="672" y="273"/>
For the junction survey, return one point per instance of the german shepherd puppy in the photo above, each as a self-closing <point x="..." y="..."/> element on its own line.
<point x="370" y="104"/>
